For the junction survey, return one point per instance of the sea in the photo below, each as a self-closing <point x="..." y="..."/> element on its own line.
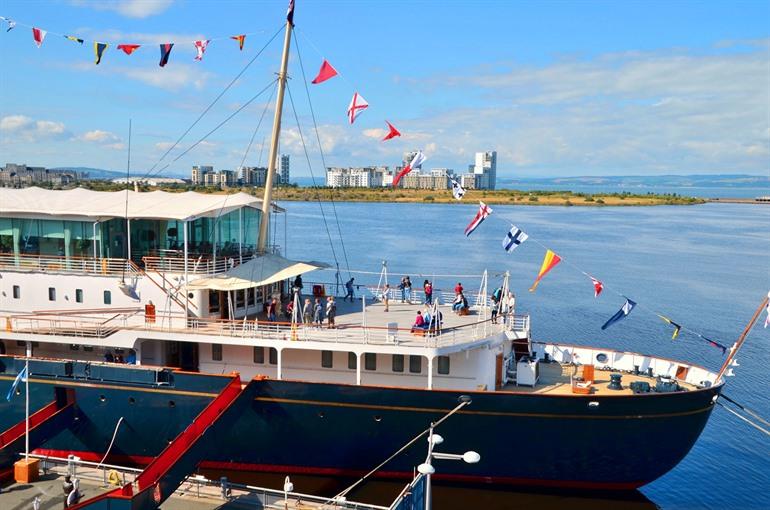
<point x="705" y="266"/>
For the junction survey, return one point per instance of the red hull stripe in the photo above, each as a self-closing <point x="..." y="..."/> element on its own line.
<point x="321" y="471"/>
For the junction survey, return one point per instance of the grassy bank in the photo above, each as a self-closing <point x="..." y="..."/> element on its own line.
<point x="515" y="197"/>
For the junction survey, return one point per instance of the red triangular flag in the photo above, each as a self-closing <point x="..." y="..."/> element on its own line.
<point x="128" y="48"/>
<point x="241" y="39"/>
<point x="326" y="72"/>
<point x="392" y="133"/>
<point x="598" y="286"/>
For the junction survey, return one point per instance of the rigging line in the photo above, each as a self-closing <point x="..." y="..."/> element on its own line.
<point x="253" y="135"/>
<point x="743" y="418"/>
<point x="746" y="409"/>
<point x="611" y="289"/>
<point x="114" y="43"/>
<point x="310" y="167"/>
<point x="211" y="105"/>
<point x="227" y="119"/>
<point x="321" y="151"/>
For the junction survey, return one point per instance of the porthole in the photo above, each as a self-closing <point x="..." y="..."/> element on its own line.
<point x="321" y="415"/>
<point x="18" y="391"/>
<point x="377" y="418"/>
<point x="131" y="400"/>
<point x="601" y="357"/>
<point x="102" y="399"/>
<point x="171" y="403"/>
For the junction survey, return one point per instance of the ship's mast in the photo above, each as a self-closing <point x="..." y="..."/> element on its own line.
<point x="266" y="201"/>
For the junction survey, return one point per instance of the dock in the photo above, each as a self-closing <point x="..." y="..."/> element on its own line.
<point x="195" y="493"/>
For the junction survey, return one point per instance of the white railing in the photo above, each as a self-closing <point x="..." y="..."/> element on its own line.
<point x="194" y="485"/>
<point x="74" y="265"/>
<point x="101" y="327"/>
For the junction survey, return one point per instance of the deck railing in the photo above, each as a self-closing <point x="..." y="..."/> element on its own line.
<point x="101" y="327"/>
<point x="74" y="265"/>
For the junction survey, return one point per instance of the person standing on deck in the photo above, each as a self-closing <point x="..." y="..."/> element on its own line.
<point x="349" y="288"/>
<point x="297" y="287"/>
<point x="427" y="287"/>
<point x="271" y="310"/>
<point x="386" y="296"/>
<point x="459" y="288"/>
<point x="318" y="313"/>
<point x="408" y="289"/>
<point x="67" y="488"/>
<point x="331" y="311"/>
<point x="307" y="311"/>
<point x="510" y="304"/>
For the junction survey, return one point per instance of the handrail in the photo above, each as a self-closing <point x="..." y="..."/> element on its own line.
<point x="61" y="264"/>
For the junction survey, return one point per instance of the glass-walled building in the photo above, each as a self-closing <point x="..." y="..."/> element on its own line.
<point x="87" y="224"/>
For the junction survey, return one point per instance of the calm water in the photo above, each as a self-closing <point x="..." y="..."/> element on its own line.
<point x="704" y="266"/>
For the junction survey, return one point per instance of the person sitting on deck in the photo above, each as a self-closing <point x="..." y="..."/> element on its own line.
<point x="460" y="303"/>
<point x="419" y="322"/>
<point x="459" y="288"/>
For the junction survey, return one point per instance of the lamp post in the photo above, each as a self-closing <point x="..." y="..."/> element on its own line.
<point x="427" y="469"/>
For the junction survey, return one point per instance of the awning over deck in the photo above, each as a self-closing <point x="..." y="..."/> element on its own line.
<point x="99" y="205"/>
<point x="262" y="270"/>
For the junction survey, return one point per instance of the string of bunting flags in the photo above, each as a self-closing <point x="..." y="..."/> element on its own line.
<point x="99" y="47"/>
<point x="516" y="236"/>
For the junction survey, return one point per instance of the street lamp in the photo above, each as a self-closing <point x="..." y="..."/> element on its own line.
<point x="427" y="469"/>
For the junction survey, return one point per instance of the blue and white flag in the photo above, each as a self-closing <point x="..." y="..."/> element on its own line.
<point x="620" y="314"/>
<point x="512" y="239"/>
<point x="457" y="191"/>
<point x="22" y="376"/>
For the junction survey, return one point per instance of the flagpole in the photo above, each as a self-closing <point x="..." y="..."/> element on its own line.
<point x="273" y="154"/>
<point x="737" y="345"/>
<point x="26" y="403"/>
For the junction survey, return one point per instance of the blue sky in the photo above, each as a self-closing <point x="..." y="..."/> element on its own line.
<point x="557" y="88"/>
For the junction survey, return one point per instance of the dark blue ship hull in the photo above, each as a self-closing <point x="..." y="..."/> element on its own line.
<point x="617" y="442"/>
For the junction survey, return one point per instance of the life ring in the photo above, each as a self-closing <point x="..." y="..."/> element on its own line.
<point x="113" y="478"/>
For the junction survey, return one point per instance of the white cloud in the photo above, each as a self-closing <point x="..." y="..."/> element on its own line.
<point x="21" y="127"/>
<point x="173" y="77"/>
<point x="164" y="146"/>
<point x="128" y="8"/>
<point x="99" y="136"/>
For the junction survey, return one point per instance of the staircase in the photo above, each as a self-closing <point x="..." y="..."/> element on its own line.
<point x="181" y="457"/>
<point x="43" y="424"/>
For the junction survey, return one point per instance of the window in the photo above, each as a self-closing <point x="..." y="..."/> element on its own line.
<point x="259" y="355"/>
<point x="415" y="364"/>
<point x="443" y="365"/>
<point x="398" y="362"/>
<point x="216" y="352"/>
<point x="352" y="360"/>
<point x="327" y="359"/>
<point x="240" y="298"/>
<point x="51" y="294"/>
<point x="370" y="361"/>
<point x="273" y="356"/>
<point x="74" y="347"/>
<point x="78" y="295"/>
<point x="16" y="292"/>
<point x="107" y="297"/>
<point x="250" y="295"/>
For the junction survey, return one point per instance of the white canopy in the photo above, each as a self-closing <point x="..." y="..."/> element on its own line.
<point x="98" y="205"/>
<point x="263" y="270"/>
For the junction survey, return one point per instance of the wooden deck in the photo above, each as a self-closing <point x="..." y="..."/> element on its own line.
<point x="555" y="380"/>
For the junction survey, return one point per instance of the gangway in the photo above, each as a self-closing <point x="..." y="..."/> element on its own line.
<point x="162" y="476"/>
<point x="43" y="424"/>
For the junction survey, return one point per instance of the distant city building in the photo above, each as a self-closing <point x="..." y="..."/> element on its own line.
<point x="149" y="181"/>
<point x="198" y="174"/>
<point x="357" y="177"/>
<point x="485" y="168"/>
<point x="437" y="178"/>
<point x="469" y="181"/>
<point x="408" y="157"/>
<point x="285" y="174"/>
<point x="206" y="176"/>
<point x="20" y="176"/>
